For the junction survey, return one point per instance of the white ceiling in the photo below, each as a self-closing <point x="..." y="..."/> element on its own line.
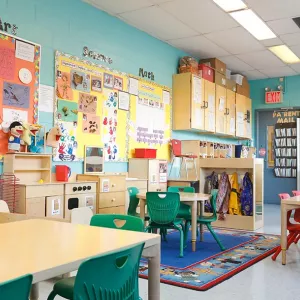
<point x="202" y="29"/>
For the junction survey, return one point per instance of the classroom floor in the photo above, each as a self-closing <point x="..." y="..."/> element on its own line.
<point x="263" y="281"/>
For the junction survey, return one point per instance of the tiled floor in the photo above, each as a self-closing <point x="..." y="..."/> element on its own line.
<point x="266" y="280"/>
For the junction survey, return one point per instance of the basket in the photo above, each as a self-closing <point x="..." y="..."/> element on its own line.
<point x="145" y="153"/>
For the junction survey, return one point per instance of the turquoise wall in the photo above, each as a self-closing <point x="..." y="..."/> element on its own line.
<point x="69" y="25"/>
<point x="291" y="96"/>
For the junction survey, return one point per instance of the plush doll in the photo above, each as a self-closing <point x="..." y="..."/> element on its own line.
<point x="29" y="132"/>
<point x="53" y="136"/>
<point x="16" y="130"/>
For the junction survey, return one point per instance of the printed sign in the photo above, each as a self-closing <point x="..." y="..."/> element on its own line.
<point x="262" y="151"/>
<point x="105" y="185"/>
<point x="273" y="97"/>
<point x="55" y="207"/>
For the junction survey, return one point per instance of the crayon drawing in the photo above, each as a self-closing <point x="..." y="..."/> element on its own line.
<point x="80" y="81"/>
<point x="64" y="90"/>
<point x="16" y="95"/>
<point x="87" y="103"/>
<point x="91" y="124"/>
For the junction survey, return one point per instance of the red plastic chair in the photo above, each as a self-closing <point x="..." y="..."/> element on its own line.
<point x="176" y="151"/>
<point x="294" y="229"/>
<point x="296" y="193"/>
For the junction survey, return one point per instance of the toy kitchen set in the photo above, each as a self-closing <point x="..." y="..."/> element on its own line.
<point x="40" y="195"/>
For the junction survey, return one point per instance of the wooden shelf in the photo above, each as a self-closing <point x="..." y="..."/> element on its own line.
<point x="32" y="170"/>
<point x="230" y="163"/>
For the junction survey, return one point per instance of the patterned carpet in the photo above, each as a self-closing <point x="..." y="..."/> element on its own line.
<point x="208" y="266"/>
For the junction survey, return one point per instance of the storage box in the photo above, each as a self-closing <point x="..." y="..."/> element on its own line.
<point x="188" y="69"/>
<point x="215" y="64"/>
<point x="245" y="91"/>
<point x="145" y="153"/>
<point x="206" y="72"/>
<point x="238" y="78"/>
<point x="231" y="85"/>
<point x="220" y="79"/>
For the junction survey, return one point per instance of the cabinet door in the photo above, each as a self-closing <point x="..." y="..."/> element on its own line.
<point x="35" y="207"/>
<point x="248" y="118"/>
<point x="220" y="109"/>
<point x="240" y="115"/>
<point x="197" y="103"/>
<point x="210" y="102"/>
<point x="230" y="113"/>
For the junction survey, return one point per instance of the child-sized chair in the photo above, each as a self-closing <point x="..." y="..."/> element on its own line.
<point x="296" y="193"/>
<point x="112" y="276"/>
<point x="294" y="229"/>
<point x="111" y="221"/>
<point x="134" y="202"/>
<point x="207" y="220"/>
<point x="18" y="288"/>
<point x="176" y="150"/>
<point x="163" y="208"/>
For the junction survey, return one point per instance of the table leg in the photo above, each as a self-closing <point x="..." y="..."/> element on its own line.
<point x="154" y="274"/>
<point x="194" y="225"/>
<point x="283" y="232"/>
<point x="34" y="293"/>
<point x="201" y="225"/>
<point x="142" y="209"/>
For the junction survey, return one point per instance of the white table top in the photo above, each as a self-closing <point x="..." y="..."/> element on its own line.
<point x="184" y="197"/>
<point x="47" y="248"/>
<point x="293" y="200"/>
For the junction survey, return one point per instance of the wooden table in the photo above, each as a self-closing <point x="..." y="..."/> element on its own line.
<point x="286" y="205"/>
<point x="192" y="199"/>
<point x="47" y="249"/>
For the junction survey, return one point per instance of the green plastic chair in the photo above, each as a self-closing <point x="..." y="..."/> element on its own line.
<point x="163" y="208"/>
<point x="18" y="288"/>
<point x="134" y="202"/>
<point x="109" y="221"/>
<point x="112" y="276"/>
<point x="207" y="220"/>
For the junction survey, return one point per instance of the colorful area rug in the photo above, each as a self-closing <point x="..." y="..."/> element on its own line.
<point x="208" y="266"/>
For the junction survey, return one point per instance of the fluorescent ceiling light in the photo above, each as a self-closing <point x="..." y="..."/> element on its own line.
<point x="231" y="5"/>
<point x="251" y="22"/>
<point x="285" y="54"/>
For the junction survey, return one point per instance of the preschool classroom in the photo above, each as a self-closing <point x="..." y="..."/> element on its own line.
<point x="149" y="149"/>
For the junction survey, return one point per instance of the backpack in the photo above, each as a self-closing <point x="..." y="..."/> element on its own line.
<point x="223" y="196"/>
<point x="247" y="196"/>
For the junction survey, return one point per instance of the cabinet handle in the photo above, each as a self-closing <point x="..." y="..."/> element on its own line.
<point x="113" y="199"/>
<point x="113" y="185"/>
<point x="228" y="112"/>
<point x="204" y="106"/>
<point x="225" y="113"/>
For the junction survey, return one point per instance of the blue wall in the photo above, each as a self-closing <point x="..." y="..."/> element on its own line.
<point x="69" y="25"/>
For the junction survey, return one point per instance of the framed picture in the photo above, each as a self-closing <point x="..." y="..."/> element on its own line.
<point x="108" y="81"/>
<point x="118" y="83"/>
<point x="93" y="159"/>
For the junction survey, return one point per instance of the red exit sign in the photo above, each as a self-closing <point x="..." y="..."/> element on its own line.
<point x="273" y="97"/>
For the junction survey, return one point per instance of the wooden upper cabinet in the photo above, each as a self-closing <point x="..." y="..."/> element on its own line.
<point x="230" y="112"/>
<point x="248" y="118"/>
<point x="193" y="103"/>
<point x="221" y="109"/>
<point x="243" y="117"/>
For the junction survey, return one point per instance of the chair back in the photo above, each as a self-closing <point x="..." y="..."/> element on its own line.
<point x="176" y="147"/>
<point x="163" y="207"/>
<point x="81" y="215"/>
<point x="112" y="276"/>
<point x="296" y="193"/>
<point x="180" y="189"/>
<point x="133" y="200"/>
<point x="116" y="222"/>
<point x="213" y="203"/>
<point x="4" y="207"/>
<point x="18" y="288"/>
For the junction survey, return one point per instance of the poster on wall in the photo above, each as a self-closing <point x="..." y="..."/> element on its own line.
<point x="163" y="169"/>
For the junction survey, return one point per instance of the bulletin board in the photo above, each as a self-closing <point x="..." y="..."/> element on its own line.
<point x="86" y="109"/>
<point x="19" y="83"/>
<point x="98" y="106"/>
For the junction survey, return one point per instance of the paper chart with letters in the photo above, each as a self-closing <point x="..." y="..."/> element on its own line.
<point x="19" y="82"/>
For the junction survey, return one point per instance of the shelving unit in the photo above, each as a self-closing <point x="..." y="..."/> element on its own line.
<point x="255" y="167"/>
<point x="29" y="167"/>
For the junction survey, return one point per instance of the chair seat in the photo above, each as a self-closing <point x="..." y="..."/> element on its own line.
<point x="293" y="227"/>
<point x="65" y="287"/>
<point x="184" y="212"/>
<point x="203" y="219"/>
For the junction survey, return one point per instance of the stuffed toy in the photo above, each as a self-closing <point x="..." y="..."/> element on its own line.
<point x="16" y="130"/>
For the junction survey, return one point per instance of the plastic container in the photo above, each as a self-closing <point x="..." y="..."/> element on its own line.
<point x="145" y="153"/>
<point x="237" y="78"/>
<point x="206" y="72"/>
<point x="62" y="173"/>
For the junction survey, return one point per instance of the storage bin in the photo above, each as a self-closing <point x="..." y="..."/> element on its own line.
<point x="237" y="78"/>
<point x="145" y="153"/>
<point x="206" y="72"/>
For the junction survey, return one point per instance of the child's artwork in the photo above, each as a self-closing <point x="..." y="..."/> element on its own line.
<point x="91" y="124"/>
<point x="16" y="95"/>
<point x="96" y="84"/>
<point x="64" y="90"/>
<point x="87" y="103"/>
<point x="108" y="81"/>
<point x="80" y="81"/>
<point x="12" y="115"/>
<point x="67" y="111"/>
<point x="118" y="83"/>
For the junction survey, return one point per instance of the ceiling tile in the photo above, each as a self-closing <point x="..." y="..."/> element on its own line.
<point x="157" y="22"/>
<point x="159" y="1"/>
<point x="291" y="39"/>
<point x="275" y="9"/>
<point x="296" y="50"/>
<point x="261" y="59"/>
<point x="272" y="42"/>
<point x="236" y="40"/>
<point x="278" y="71"/>
<point x="199" y="47"/>
<point x="119" y="6"/>
<point x="283" y="26"/>
<point x="296" y="67"/>
<point x="203" y="16"/>
<point x="234" y="64"/>
<point x="252" y="75"/>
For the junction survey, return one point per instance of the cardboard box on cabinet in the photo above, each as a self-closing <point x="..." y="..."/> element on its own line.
<point x="220" y="79"/>
<point x="215" y="63"/>
<point x="231" y="85"/>
<point x="245" y="91"/>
